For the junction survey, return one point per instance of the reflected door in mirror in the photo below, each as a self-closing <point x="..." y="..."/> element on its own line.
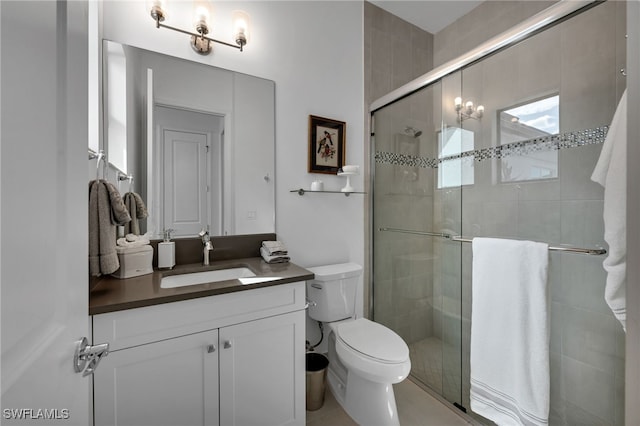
<point x="191" y="143"/>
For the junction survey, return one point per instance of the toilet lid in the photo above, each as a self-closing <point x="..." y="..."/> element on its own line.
<point x="373" y="340"/>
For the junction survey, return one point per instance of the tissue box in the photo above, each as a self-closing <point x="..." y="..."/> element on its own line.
<point x="134" y="261"/>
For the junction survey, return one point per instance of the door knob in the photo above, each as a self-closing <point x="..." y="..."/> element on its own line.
<point x="227" y="344"/>
<point x="211" y="349"/>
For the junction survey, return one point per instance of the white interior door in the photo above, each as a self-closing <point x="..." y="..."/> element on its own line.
<point x="185" y="182"/>
<point x="192" y="180"/>
<point x="43" y="221"/>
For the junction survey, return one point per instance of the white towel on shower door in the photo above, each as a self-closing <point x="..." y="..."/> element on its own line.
<point x="611" y="173"/>
<point x="510" y="331"/>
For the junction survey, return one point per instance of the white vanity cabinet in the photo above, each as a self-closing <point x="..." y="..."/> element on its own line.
<point x="172" y="382"/>
<point x="231" y="359"/>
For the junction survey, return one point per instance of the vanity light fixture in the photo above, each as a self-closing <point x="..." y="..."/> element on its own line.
<point x="467" y="111"/>
<point x="200" y="42"/>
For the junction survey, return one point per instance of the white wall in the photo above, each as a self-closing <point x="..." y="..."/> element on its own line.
<point x="313" y="50"/>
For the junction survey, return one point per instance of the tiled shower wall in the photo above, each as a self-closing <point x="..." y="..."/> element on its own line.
<point x="403" y="198"/>
<point x="426" y="281"/>
<point x="395" y="52"/>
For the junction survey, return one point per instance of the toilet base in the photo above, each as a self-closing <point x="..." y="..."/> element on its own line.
<point x="368" y="403"/>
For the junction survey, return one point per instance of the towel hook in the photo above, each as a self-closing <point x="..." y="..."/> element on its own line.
<point x="122" y="176"/>
<point x="100" y="158"/>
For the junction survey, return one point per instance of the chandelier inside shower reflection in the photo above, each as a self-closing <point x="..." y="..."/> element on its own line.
<point x="467" y="110"/>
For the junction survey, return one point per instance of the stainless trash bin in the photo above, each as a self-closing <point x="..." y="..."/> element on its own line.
<point x="316" y="378"/>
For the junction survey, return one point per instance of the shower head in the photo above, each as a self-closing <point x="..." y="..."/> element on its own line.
<point x="412" y="131"/>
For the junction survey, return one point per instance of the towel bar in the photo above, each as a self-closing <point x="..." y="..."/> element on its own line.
<point x="596" y="252"/>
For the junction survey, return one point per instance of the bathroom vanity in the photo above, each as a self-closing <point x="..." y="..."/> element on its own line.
<point x="216" y="353"/>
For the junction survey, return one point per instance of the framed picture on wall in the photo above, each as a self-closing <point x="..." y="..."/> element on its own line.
<point x="326" y="145"/>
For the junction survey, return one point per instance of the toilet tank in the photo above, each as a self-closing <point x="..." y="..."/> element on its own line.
<point x="332" y="293"/>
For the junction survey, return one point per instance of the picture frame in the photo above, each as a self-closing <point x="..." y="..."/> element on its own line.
<point x="326" y="145"/>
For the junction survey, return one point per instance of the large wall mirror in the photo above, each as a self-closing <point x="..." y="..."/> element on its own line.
<point x="198" y="140"/>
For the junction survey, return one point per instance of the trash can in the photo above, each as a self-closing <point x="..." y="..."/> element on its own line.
<point x="316" y="378"/>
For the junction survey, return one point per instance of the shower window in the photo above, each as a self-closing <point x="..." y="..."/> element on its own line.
<point x="524" y="130"/>
<point x="455" y="168"/>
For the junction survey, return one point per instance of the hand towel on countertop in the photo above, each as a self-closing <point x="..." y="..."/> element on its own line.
<point x="137" y="210"/>
<point x="611" y="173"/>
<point x="273" y="258"/>
<point x="510" y="381"/>
<point x="102" y="232"/>
<point x="275" y="248"/>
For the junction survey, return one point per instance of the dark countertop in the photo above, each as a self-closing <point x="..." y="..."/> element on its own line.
<point x="112" y="294"/>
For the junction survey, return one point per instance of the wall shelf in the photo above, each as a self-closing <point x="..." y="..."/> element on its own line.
<point x="301" y="192"/>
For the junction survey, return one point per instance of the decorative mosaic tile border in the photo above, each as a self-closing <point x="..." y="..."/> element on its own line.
<point x="546" y="143"/>
<point x="383" y="157"/>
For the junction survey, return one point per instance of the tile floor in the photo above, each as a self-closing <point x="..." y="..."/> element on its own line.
<point x="415" y="408"/>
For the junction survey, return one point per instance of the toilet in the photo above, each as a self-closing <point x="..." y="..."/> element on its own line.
<point x="365" y="358"/>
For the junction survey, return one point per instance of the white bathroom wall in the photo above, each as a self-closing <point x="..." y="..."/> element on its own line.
<point x="313" y="50"/>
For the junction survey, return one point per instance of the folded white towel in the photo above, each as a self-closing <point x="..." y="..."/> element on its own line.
<point x="510" y="331"/>
<point x="611" y="173"/>
<point x="275" y="248"/>
<point x="126" y="242"/>
<point x="273" y="258"/>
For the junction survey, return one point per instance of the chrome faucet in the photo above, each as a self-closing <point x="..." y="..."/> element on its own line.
<point x="208" y="246"/>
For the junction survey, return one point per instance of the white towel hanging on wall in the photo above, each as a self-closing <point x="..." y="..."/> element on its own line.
<point x="611" y="173"/>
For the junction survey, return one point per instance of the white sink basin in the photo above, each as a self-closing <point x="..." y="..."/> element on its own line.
<point x="194" y="278"/>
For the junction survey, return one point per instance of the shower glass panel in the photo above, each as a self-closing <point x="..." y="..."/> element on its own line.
<point x="418" y="277"/>
<point x="546" y="105"/>
<point x="504" y="148"/>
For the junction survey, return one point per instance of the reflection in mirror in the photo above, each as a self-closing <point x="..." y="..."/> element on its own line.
<point x="199" y="141"/>
<point x="115" y="105"/>
<point x="190" y="152"/>
<point x="526" y="122"/>
<point x="454" y="170"/>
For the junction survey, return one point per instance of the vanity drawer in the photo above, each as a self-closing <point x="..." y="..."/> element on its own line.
<point x="138" y="326"/>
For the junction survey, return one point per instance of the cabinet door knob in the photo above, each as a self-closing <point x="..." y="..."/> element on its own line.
<point x="227" y="344"/>
<point x="211" y="349"/>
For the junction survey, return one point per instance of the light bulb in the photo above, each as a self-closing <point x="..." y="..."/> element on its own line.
<point x="480" y="111"/>
<point x="457" y="102"/>
<point x="469" y="106"/>
<point x="201" y="17"/>
<point x="240" y="27"/>
<point x="157" y="9"/>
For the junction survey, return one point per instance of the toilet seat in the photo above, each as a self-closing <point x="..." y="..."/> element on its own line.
<point x="372" y="351"/>
<point x="373" y="340"/>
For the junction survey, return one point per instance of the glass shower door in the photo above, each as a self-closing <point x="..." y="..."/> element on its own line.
<point x="416" y="272"/>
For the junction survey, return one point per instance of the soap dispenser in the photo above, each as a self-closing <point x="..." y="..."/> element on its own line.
<point x="167" y="251"/>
